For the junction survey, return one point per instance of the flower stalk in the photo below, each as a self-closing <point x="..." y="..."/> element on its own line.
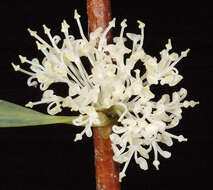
<point x="107" y="170"/>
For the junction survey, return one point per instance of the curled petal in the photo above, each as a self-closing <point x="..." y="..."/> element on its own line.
<point x="115" y="138"/>
<point x="142" y="163"/>
<point x="118" y="129"/>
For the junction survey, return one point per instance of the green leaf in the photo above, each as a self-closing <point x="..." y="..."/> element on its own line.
<point x="12" y="115"/>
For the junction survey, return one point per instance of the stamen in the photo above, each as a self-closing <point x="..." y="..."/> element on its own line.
<point x="103" y="36"/>
<point x="184" y="53"/>
<point x="22" y="58"/>
<point x="49" y="55"/>
<point x="86" y="130"/>
<point x="156" y="163"/>
<point x="180" y="138"/>
<point x="141" y="26"/>
<point x="17" y="68"/>
<point x="47" y="31"/>
<point x="34" y="34"/>
<point x="169" y="45"/>
<point x="83" y="72"/>
<point x="69" y="72"/>
<point x="191" y="103"/>
<point x="31" y="104"/>
<point x="77" y="17"/>
<point x="64" y="27"/>
<point x="122" y="173"/>
<point x="25" y="60"/>
<point x="75" y="75"/>
<point x="123" y="26"/>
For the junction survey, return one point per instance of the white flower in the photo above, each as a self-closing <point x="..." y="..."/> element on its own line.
<point x="165" y="70"/>
<point x="54" y="101"/>
<point x="114" y="82"/>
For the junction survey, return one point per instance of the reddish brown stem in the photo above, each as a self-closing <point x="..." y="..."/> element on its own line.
<point x="107" y="171"/>
<point x="99" y="15"/>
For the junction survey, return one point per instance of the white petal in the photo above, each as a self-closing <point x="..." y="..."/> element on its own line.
<point x="118" y="130"/>
<point x="142" y="163"/>
<point x="156" y="163"/>
<point x="166" y="154"/>
<point x="115" y="138"/>
<point x="143" y="152"/>
<point x="121" y="175"/>
<point x="89" y="132"/>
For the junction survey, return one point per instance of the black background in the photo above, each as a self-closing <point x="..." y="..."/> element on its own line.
<point x="47" y="158"/>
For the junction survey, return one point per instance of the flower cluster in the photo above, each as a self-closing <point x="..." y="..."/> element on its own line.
<point x="143" y="122"/>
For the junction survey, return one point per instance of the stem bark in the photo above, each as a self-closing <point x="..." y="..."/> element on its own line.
<point x="107" y="171"/>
